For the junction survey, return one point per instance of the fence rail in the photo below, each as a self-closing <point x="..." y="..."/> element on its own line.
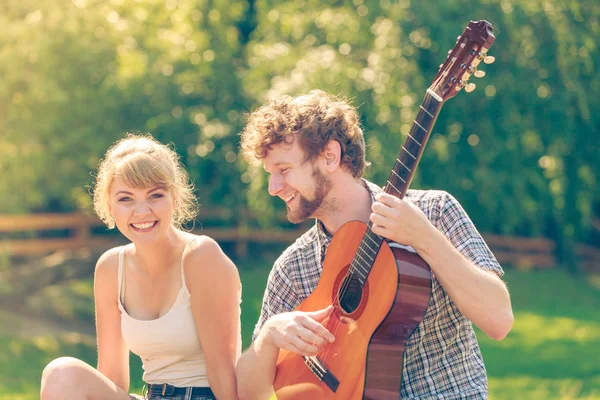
<point x="516" y="251"/>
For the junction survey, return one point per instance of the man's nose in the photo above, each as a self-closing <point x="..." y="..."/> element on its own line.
<point x="275" y="185"/>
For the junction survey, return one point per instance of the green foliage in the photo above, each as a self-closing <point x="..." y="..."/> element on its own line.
<point x="520" y="153"/>
<point x="77" y="74"/>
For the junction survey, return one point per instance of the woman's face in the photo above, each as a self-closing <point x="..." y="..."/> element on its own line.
<point x="142" y="215"/>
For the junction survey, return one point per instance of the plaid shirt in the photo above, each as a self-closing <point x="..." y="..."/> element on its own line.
<point x="442" y="359"/>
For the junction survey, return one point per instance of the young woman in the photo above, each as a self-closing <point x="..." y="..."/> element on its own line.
<point x="169" y="296"/>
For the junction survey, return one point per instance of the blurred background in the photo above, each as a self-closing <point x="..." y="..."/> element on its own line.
<point x="520" y="153"/>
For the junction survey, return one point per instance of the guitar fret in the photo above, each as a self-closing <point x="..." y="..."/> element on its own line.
<point x="409" y="153"/>
<point x="409" y="170"/>
<point x="371" y="239"/>
<point x="395" y="188"/>
<point x="367" y="254"/>
<point x="428" y="113"/>
<point x="360" y="273"/>
<point x="359" y="268"/>
<point x="419" y="125"/>
<point x="395" y="173"/>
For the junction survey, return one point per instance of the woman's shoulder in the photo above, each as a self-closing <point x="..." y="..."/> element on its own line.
<point x="205" y="257"/>
<point x="203" y="247"/>
<point x="108" y="264"/>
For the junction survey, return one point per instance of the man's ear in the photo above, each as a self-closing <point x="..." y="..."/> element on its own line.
<point x="331" y="154"/>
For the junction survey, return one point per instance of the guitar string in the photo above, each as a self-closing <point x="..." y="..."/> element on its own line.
<point x="333" y="327"/>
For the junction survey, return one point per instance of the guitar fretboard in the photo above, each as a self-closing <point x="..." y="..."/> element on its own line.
<point x="399" y="179"/>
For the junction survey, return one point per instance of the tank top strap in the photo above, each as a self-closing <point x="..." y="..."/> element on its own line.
<point x="183" y="284"/>
<point x="121" y="275"/>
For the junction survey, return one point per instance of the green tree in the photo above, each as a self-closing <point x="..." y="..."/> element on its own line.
<point x="520" y="153"/>
<point x="78" y="74"/>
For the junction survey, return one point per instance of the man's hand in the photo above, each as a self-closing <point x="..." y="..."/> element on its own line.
<point x="398" y="220"/>
<point x="299" y="332"/>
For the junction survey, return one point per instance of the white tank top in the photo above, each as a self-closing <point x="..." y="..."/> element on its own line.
<point x="168" y="346"/>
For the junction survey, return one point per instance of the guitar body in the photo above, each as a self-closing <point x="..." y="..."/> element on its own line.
<point x="366" y="357"/>
<point x="386" y="349"/>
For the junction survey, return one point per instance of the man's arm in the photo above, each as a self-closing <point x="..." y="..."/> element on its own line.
<point x="298" y="332"/>
<point x="277" y="327"/>
<point x="479" y="294"/>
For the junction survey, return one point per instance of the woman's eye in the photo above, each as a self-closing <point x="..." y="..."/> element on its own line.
<point x="285" y="170"/>
<point x="156" y="196"/>
<point x="124" y="199"/>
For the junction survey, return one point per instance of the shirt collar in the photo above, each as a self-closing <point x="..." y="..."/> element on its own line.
<point x="323" y="236"/>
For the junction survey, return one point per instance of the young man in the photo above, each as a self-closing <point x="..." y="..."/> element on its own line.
<point x="314" y="151"/>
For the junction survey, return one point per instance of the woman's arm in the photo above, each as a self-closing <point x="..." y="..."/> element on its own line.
<point x="213" y="282"/>
<point x="113" y="354"/>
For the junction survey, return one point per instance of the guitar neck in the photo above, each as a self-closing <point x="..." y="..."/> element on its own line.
<point x="400" y="178"/>
<point x="413" y="146"/>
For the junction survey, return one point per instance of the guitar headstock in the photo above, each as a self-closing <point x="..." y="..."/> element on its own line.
<point x="470" y="49"/>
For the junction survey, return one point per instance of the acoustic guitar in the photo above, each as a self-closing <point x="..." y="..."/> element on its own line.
<point x="379" y="291"/>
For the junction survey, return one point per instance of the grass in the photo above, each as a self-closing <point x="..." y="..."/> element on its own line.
<point x="551" y="353"/>
<point x="553" y="349"/>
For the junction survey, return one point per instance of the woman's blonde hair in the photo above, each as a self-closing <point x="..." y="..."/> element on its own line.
<point x="141" y="161"/>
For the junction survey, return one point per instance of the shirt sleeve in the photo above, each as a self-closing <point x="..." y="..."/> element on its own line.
<point x="279" y="296"/>
<point x="456" y="225"/>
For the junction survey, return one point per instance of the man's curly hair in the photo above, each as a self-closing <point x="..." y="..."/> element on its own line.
<point x="314" y="119"/>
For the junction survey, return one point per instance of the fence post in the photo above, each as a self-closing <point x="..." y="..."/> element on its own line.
<point x="82" y="232"/>
<point x="241" y="243"/>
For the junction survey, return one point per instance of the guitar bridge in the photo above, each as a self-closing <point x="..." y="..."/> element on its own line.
<point x="321" y="372"/>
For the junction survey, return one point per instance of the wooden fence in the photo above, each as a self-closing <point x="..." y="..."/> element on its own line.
<point x="77" y="231"/>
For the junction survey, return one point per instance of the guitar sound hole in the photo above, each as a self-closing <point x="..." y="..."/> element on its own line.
<point x="350" y="293"/>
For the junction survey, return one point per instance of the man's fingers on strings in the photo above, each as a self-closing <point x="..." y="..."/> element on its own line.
<point x="320" y="315"/>
<point x="303" y="347"/>
<point x="299" y="348"/>
<point x="378" y="219"/>
<point x="379" y="229"/>
<point x="385" y="210"/>
<point x="310" y="337"/>
<point x="319" y="330"/>
<point x="386" y="199"/>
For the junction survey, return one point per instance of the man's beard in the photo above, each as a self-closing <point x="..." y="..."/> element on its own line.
<point x="308" y="208"/>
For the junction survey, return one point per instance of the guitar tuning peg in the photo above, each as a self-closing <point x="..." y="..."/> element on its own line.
<point x="479" y="73"/>
<point x="469" y="87"/>
<point x="489" y="59"/>
<point x="441" y="65"/>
